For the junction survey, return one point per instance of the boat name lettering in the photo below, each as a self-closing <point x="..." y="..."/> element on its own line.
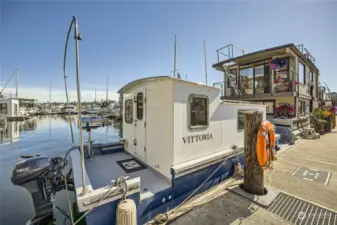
<point x="197" y="138"/>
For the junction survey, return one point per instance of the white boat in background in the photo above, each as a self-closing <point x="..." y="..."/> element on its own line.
<point x="71" y="109"/>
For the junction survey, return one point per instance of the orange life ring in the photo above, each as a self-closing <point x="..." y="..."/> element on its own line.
<point x="265" y="144"/>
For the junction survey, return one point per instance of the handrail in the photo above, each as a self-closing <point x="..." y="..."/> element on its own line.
<point x="230" y="49"/>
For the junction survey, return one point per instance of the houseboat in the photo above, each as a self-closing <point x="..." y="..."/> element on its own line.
<point x="175" y="144"/>
<point x="9" y="107"/>
<point x="284" y="78"/>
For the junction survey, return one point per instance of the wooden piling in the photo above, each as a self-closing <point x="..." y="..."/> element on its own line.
<point x="253" y="173"/>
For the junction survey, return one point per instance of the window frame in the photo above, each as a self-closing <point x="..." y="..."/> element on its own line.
<point x="189" y="111"/>
<point x="282" y="70"/>
<point x="4" y="108"/>
<point x="304" y="81"/>
<point x="125" y="110"/>
<point x="137" y="106"/>
<point x="248" y="66"/>
<point x="236" y="78"/>
<point x="311" y="76"/>
<point x="303" y="107"/>
<point x="244" y="110"/>
<point x="254" y="78"/>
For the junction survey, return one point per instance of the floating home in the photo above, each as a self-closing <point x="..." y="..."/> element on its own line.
<point x="283" y="74"/>
<point x="9" y="107"/>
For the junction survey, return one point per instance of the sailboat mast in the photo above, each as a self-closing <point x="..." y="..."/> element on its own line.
<point x="205" y="61"/>
<point x="107" y="89"/>
<point x="16" y="83"/>
<point x="95" y="94"/>
<point x="49" y="93"/>
<point x="175" y="50"/>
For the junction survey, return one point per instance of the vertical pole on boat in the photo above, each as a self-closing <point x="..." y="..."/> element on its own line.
<point x="253" y="172"/>
<point x="175" y="56"/>
<point x="107" y="89"/>
<point x="205" y="61"/>
<point x="16" y="83"/>
<point x="77" y="38"/>
<point x="49" y="94"/>
<point x="95" y="95"/>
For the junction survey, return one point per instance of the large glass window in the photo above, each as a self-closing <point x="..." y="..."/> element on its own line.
<point x="281" y="74"/>
<point x="301" y="73"/>
<point x="246" y="80"/>
<point x="198" y="111"/>
<point x="128" y="111"/>
<point x="233" y="72"/>
<point x="3" y="108"/>
<point x="259" y="79"/>
<point x="140" y="104"/>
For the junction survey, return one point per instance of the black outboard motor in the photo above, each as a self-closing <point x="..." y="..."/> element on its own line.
<point x="42" y="177"/>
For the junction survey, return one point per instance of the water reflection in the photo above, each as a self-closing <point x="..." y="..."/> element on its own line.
<point x="12" y="131"/>
<point x="46" y="136"/>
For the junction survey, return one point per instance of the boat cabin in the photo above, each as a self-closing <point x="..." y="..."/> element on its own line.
<point x="172" y="123"/>
<point x="9" y="107"/>
<point x="176" y="133"/>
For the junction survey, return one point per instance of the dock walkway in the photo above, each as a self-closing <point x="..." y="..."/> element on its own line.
<point x="306" y="171"/>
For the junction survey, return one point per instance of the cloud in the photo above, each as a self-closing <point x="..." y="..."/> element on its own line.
<point x="58" y="95"/>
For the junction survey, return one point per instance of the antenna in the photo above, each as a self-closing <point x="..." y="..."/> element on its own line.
<point x="205" y="61"/>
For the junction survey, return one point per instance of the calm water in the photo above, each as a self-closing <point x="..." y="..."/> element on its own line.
<point x="46" y="136"/>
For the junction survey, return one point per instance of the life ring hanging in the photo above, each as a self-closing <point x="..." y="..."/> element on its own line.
<point x="265" y="144"/>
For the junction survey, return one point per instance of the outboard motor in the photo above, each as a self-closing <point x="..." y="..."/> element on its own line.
<point x="42" y="177"/>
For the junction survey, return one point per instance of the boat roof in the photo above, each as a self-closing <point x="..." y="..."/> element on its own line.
<point x="156" y="78"/>
<point x="246" y="57"/>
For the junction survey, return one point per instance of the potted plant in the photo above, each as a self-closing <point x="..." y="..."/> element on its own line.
<point x="284" y="109"/>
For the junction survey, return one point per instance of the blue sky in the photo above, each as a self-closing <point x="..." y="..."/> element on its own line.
<point x="131" y="40"/>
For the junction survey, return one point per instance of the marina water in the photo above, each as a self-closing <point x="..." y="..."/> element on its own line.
<point x="45" y="136"/>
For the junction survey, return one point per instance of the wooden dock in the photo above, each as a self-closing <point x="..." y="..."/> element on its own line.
<point x="305" y="173"/>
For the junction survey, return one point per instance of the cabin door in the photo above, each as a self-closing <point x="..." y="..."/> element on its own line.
<point x="140" y="123"/>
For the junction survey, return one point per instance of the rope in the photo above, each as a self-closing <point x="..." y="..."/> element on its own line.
<point x="107" y="193"/>
<point x="68" y="199"/>
<point x="198" y="200"/>
<point x="164" y="217"/>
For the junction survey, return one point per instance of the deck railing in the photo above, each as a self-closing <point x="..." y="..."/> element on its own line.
<point x="306" y="53"/>
<point x="228" y="52"/>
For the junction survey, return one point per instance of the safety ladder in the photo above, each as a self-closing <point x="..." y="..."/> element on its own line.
<point x="231" y="80"/>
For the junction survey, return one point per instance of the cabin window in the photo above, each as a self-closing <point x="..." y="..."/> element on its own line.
<point x="3" y="108"/>
<point x="198" y="111"/>
<point x="246" y="80"/>
<point x="301" y="73"/>
<point x="241" y="118"/>
<point x="140" y="103"/>
<point x="128" y="111"/>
